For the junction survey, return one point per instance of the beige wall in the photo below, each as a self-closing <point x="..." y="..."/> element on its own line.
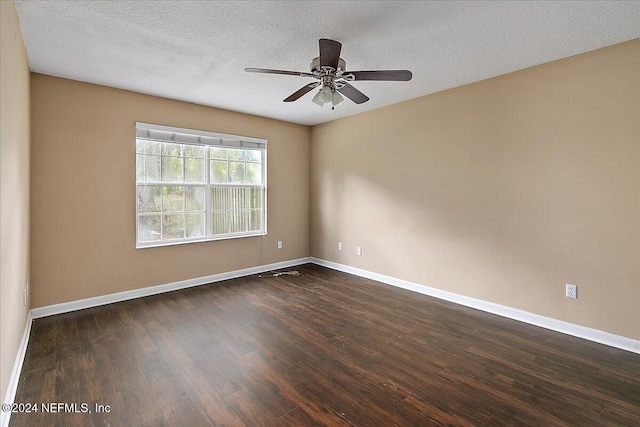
<point x="14" y="188"/>
<point x="502" y="190"/>
<point x="83" y="192"/>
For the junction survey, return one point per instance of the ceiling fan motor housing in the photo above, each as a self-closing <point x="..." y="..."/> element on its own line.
<point x="315" y="66"/>
<point x="328" y="75"/>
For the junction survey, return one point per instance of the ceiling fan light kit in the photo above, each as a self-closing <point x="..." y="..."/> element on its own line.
<point x="323" y="96"/>
<point x="333" y="79"/>
<point x="326" y="94"/>
<point x="336" y="99"/>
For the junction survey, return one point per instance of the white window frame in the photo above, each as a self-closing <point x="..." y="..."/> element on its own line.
<point x="207" y="139"/>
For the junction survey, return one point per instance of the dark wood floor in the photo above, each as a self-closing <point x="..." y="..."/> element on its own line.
<point x="322" y="348"/>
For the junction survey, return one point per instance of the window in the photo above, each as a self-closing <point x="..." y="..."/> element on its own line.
<point x="193" y="186"/>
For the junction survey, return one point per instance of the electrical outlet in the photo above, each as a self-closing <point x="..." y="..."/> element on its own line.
<point x="572" y="291"/>
<point x="358" y="250"/>
<point x="24" y="298"/>
<point x="340" y="246"/>
<point x="279" y="244"/>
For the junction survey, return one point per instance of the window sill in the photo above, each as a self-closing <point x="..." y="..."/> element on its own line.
<point x="198" y="240"/>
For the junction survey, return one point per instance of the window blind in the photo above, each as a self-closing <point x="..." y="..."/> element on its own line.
<point x="189" y="136"/>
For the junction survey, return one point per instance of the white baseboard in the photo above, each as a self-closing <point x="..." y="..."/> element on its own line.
<point x="15" y="374"/>
<point x="572" y="329"/>
<point x="66" y="307"/>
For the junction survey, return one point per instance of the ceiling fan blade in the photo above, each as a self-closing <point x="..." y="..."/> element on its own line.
<point x="302" y="91"/>
<point x="353" y="94"/>
<point x="286" y="73"/>
<point x="330" y="53"/>
<point x="385" y="75"/>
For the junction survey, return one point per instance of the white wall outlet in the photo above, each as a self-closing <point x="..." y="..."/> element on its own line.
<point x="340" y="246"/>
<point x="279" y="244"/>
<point x="572" y="291"/>
<point x="24" y="298"/>
<point x="358" y="250"/>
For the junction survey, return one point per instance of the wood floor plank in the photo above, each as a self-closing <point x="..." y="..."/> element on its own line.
<point x="320" y="349"/>
<point x="296" y="418"/>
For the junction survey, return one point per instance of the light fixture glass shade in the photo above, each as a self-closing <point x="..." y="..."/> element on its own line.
<point x="336" y="98"/>
<point x="318" y="98"/>
<point x="325" y="94"/>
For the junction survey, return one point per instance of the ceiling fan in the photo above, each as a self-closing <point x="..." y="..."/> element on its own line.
<point x="333" y="78"/>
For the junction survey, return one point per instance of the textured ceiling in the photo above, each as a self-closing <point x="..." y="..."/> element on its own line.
<point x="196" y="50"/>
